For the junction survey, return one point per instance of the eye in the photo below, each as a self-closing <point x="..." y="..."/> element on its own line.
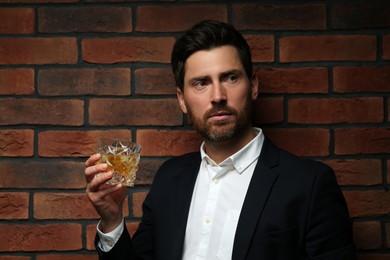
<point x="199" y="84"/>
<point x="231" y="78"/>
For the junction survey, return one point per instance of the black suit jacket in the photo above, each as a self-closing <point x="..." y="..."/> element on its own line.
<point x="293" y="209"/>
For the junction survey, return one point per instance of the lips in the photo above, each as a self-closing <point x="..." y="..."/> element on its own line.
<point x="220" y="115"/>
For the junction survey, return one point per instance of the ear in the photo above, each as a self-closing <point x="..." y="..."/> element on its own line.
<point x="255" y="87"/>
<point x="180" y="97"/>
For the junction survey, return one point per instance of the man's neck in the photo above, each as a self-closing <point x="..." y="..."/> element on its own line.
<point x="219" y="151"/>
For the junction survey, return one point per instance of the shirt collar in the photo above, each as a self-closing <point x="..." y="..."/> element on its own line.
<point x="243" y="158"/>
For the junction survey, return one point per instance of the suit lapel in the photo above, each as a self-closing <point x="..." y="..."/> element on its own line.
<point x="259" y="188"/>
<point x="185" y="186"/>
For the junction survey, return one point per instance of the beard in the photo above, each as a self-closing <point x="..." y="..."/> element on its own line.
<point x="223" y="130"/>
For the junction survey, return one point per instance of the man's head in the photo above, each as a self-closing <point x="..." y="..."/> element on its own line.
<point x="207" y="35"/>
<point x="216" y="88"/>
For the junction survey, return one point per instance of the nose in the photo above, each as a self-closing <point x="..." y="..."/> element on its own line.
<point x="218" y="93"/>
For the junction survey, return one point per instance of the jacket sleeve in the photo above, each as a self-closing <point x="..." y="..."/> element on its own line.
<point x="329" y="229"/>
<point x="141" y="246"/>
<point x="122" y="250"/>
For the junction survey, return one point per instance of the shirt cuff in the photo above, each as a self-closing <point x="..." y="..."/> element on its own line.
<point x="108" y="240"/>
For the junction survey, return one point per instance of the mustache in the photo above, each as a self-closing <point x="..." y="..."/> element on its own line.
<point x="218" y="109"/>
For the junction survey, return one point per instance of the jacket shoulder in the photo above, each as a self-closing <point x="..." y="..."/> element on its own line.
<point x="292" y="167"/>
<point x="183" y="160"/>
<point x="175" y="166"/>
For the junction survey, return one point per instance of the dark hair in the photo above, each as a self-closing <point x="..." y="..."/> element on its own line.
<point x="207" y="35"/>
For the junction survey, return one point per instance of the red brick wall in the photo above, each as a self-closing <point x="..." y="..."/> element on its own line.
<point x="73" y="70"/>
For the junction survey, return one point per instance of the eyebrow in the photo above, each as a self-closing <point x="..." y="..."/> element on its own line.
<point x="221" y="75"/>
<point x="230" y="72"/>
<point x="198" y="78"/>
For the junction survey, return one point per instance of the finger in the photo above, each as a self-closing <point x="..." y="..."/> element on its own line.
<point x="102" y="193"/>
<point x="92" y="171"/>
<point x="92" y="160"/>
<point x="98" y="180"/>
<point x="101" y="197"/>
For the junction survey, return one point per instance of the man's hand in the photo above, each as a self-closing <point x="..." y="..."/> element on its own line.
<point x="107" y="199"/>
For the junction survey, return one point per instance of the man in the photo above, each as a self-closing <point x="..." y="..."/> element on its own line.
<point x="240" y="197"/>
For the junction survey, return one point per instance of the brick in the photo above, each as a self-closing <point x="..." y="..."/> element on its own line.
<point x="74" y="143"/>
<point x="32" y="174"/>
<point x="154" y="81"/>
<point x="292" y="80"/>
<point x="368" y="203"/>
<point x="279" y="17"/>
<point x="168" y="143"/>
<point x="357" y="172"/>
<point x="361" y="79"/>
<point x="17" y="20"/>
<point x="176" y="18"/>
<point x="387" y="226"/>
<point x="262" y="107"/>
<point x="65" y="206"/>
<point x="112" y="112"/>
<point x="146" y="171"/>
<point x="362" y="140"/>
<point x="38" y="51"/>
<point x="136" y="49"/>
<point x="138" y="199"/>
<point x="67" y="257"/>
<point x="386" y="47"/>
<point x="388" y="171"/>
<point x="132" y="227"/>
<point x="335" y="110"/>
<point x="56" y="82"/>
<point x="16" y="81"/>
<point x="367" y="235"/>
<point x="359" y="16"/>
<point x="17" y="142"/>
<point x="91" y="233"/>
<point x="262" y="47"/>
<point x="327" y="48"/>
<point x="90" y="236"/>
<point x="68" y="112"/>
<point x="40" y="237"/>
<point x="89" y="19"/>
<point x="14" y="205"/>
<point x="301" y="141"/>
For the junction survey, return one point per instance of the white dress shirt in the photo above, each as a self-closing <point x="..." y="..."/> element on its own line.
<point x="217" y="200"/>
<point x="216" y="204"/>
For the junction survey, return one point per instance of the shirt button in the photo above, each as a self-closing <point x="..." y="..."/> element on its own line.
<point x="207" y="220"/>
<point x="216" y="181"/>
<point x="109" y="243"/>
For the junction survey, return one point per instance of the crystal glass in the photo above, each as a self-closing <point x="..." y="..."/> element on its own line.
<point x="122" y="158"/>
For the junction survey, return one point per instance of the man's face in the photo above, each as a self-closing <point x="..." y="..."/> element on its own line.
<point x="217" y="93"/>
